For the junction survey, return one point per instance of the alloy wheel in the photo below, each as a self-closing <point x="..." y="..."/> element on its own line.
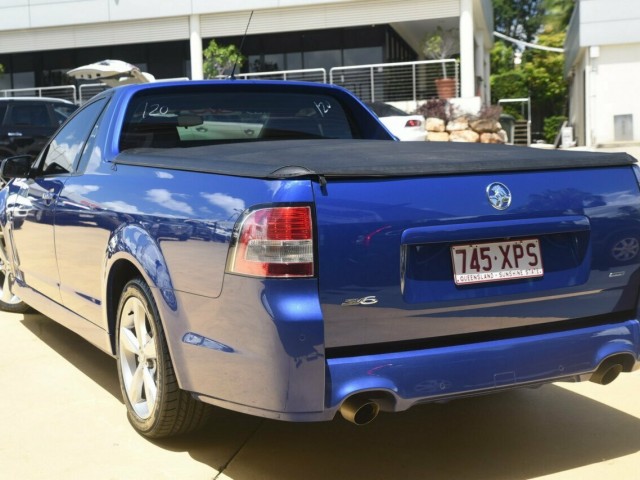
<point x="138" y="357"/>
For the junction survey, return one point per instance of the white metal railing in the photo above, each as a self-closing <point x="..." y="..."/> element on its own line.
<point x="318" y="75"/>
<point x="383" y="82"/>
<point x="66" y="92"/>
<point x="524" y="103"/>
<point x="77" y="95"/>
<point x="388" y="82"/>
<point x="88" y="90"/>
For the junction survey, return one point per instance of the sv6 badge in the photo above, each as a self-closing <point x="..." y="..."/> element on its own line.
<point x="371" y="300"/>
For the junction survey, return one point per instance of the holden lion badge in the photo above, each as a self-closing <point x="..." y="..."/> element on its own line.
<point x="499" y="195"/>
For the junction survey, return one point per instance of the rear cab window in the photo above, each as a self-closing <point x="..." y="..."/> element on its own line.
<point x="190" y="118"/>
<point x="29" y="114"/>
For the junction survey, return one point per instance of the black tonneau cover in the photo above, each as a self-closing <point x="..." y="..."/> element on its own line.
<point x="362" y="158"/>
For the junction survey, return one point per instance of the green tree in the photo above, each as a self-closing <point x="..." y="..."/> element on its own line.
<point x="519" y="19"/>
<point x="541" y="73"/>
<point x="545" y="70"/>
<point x="220" y="59"/>
<point x="548" y="87"/>
<point x="558" y="13"/>
<point x="501" y="57"/>
<point x="441" y="45"/>
<point x="513" y="84"/>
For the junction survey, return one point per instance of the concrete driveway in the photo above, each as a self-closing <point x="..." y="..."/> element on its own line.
<point x="61" y="417"/>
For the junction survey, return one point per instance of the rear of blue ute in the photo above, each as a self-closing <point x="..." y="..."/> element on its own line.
<point x="434" y="287"/>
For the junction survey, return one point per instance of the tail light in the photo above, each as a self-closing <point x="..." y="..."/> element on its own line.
<point x="413" y="123"/>
<point x="274" y="242"/>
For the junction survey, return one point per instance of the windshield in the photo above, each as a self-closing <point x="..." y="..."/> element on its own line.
<point x="186" y="118"/>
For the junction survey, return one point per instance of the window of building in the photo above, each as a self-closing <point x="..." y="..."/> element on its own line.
<point x="5" y="81"/>
<point x="23" y="80"/>
<point x="294" y="61"/>
<point x="326" y="59"/>
<point x="623" y="127"/>
<point x="267" y="52"/>
<point x="363" y="56"/>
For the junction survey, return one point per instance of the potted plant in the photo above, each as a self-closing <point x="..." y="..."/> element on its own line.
<point x="441" y="45"/>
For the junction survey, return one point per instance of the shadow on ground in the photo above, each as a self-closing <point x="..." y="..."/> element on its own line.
<point x="512" y="435"/>
<point x="91" y="361"/>
<point x="517" y="434"/>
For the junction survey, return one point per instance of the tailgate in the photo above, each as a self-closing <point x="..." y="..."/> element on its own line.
<point x="416" y="259"/>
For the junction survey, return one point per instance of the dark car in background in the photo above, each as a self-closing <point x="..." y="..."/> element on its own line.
<point x="26" y="123"/>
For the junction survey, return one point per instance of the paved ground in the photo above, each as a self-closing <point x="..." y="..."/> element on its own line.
<point x="61" y="417"/>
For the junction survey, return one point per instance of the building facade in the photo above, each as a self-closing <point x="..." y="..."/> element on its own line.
<point x="40" y="40"/>
<point x="602" y="64"/>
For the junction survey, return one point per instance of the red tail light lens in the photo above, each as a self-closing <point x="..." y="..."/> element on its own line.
<point x="274" y="242"/>
<point x="413" y="123"/>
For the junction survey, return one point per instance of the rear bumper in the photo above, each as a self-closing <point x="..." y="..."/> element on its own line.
<point x="420" y="376"/>
<point x="397" y="381"/>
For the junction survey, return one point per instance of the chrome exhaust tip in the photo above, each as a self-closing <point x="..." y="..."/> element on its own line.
<point x="607" y="372"/>
<point x="359" y="411"/>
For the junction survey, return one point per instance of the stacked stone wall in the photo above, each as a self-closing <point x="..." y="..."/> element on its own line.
<point x="465" y="129"/>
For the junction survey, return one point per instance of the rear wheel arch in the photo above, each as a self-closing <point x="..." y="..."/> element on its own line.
<point x="123" y="266"/>
<point x="121" y="273"/>
<point x="156" y="406"/>
<point x="9" y="302"/>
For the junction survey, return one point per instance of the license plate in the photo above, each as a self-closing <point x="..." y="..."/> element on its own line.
<point x="496" y="261"/>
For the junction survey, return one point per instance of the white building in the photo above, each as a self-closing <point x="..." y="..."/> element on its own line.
<point x="603" y="67"/>
<point x="40" y="40"/>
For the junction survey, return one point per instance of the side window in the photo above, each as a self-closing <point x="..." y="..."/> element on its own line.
<point x="65" y="148"/>
<point x="91" y="157"/>
<point x="62" y="111"/>
<point x="3" y="110"/>
<point x="32" y="115"/>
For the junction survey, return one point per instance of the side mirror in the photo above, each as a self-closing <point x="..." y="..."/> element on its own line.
<point x="16" y="167"/>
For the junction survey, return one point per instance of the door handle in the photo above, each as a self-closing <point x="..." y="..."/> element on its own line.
<point x="14" y="134"/>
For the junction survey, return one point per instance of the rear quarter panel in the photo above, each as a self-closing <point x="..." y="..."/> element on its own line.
<point x="186" y="217"/>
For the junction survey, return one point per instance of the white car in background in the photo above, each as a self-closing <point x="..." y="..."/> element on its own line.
<point x="403" y="125"/>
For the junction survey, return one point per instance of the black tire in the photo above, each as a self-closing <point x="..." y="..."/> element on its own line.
<point x="156" y="406"/>
<point x="8" y="301"/>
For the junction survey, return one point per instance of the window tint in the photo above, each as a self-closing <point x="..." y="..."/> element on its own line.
<point x="195" y="117"/>
<point x="91" y="155"/>
<point x="385" y="110"/>
<point x="62" y="111"/>
<point x="3" y="110"/>
<point x="66" y="146"/>
<point x="33" y="115"/>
